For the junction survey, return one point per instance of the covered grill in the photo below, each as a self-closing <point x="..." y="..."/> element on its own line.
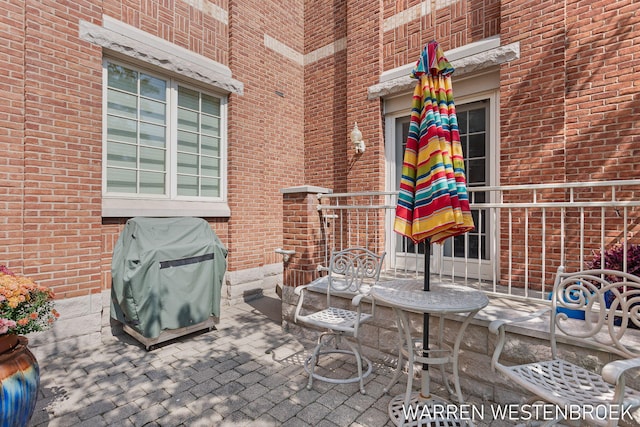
<point x="167" y="278"/>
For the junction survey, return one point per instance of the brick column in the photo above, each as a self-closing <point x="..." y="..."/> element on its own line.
<point x="302" y="232"/>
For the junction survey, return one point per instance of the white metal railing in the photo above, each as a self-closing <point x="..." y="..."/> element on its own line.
<point x="523" y="233"/>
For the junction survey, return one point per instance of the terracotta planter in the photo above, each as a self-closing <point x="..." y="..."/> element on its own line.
<point x="19" y="380"/>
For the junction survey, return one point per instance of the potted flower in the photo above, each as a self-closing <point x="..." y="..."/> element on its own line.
<point x="613" y="258"/>
<point x="24" y="307"/>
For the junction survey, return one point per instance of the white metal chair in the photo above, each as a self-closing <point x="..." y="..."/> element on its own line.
<point x="352" y="272"/>
<point x="608" y="302"/>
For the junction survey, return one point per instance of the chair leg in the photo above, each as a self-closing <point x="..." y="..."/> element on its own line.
<point x="357" y="351"/>
<point x="314" y="359"/>
<point x="354" y="350"/>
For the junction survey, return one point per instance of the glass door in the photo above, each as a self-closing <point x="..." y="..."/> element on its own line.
<point x="472" y="248"/>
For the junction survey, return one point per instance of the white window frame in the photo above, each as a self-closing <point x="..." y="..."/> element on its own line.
<point x="170" y="203"/>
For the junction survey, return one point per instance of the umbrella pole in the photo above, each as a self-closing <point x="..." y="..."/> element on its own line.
<point x="425" y="392"/>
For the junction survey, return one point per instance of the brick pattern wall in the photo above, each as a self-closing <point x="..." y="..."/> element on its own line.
<point x="531" y="94"/>
<point x="568" y="108"/>
<point x="457" y="23"/>
<point x="62" y="150"/>
<point x="602" y="101"/>
<point x="302" y="233"/>
<point x="531" y="125"/>
<point x="325" y="87"/>
<point x="266" y="129"/>
<point x="364" y="38"/>
<point x="179" y="22"/>
<point x="12" y="74"/>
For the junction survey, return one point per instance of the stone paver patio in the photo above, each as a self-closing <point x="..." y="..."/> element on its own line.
<point x="248" y="372"/>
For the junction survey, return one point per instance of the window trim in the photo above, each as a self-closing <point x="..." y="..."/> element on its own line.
<point x="169" y="204"/>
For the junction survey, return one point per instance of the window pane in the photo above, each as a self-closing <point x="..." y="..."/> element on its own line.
<point x="462" y="121"/>
<point x="122" y="78"/>
<point x="152" y="159"/>
<point x="122" y="104"/>
<point x="477" y="147"/>
<point x="188" y="98"/>
<point x="152" y="135"/>
<point x="473" y="246"/>
<point x="210" y="125"/>
<point x="152" y="111"/>
<point x="119" y="129"/>
<point x="210" y="187"/>
<point x="210" y="105"/>
<point x="188" y="120"/>
<point x="458" y="246"/>
<point x="151" y="183"/>
<point x="211" y="146"/>
<point x="187" y="163"/>
<point x="463" y="143"/>
<point x="121" y="155"/>
<point x="477" y="121"/>
<point x="478" y="197"/>
<point x="480" y="225"/>
<point x="476" y="171"/>
<point x="121" y="180"/>
<point x="210" y="166"/>
<point x="152" y="87"/>
<point x="187" y="141"/>
<point x="187" y="185"/>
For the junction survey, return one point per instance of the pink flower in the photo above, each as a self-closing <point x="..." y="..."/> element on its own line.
<point x="5" y="324"/>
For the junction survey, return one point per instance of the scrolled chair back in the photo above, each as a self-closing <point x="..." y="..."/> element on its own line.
<point x="351" y="268"/>
<point x="609" y="301"/>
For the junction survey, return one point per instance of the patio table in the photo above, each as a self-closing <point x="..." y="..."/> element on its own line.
<point x="407" y="295"/>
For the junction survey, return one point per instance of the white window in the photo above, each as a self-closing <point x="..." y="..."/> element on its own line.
<point x="164" y="144"/>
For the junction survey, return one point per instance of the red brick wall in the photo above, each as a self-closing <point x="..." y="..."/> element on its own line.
<point x="569" y="105"/>
<point x="62" y="150"/>
<point x="303" y="234"/>
<point x="602" y="102"/>
<point x="51" y="172"/>
<point x="568" y="108"/>
<point x="325" y="92"/>
<point x="531" y="93"/>
<point x="456" y="25"/>
<point x="176" y="22"/>
<point x="266" y="128"/>
<point x="12" y="73"/>
<point x="364" y="42"/>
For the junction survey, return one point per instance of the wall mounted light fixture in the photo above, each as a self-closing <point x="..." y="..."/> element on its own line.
<point x="286" y="253"/>
<point x="356" y="139"/>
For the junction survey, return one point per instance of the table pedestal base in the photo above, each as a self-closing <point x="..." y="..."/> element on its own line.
<point x="424" y="412"/>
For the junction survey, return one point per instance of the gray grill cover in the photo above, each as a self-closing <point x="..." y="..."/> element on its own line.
<point x="167" y="274"/>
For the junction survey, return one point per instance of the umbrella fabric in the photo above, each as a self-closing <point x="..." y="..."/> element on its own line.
<point x="433" y="202"/>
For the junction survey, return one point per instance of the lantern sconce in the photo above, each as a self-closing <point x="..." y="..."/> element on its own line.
<point x="356" y="139"/>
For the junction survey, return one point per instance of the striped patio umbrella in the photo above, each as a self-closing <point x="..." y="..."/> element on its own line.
<point x="433" y="203"/>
